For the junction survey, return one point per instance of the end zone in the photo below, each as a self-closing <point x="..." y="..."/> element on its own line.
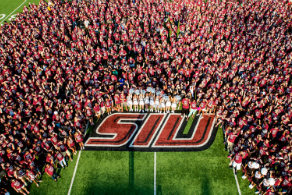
<point x="151" y="132"/>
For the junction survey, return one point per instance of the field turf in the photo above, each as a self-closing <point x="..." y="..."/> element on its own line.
<point x="111" y="172"/>
<point x="114" y="172"/>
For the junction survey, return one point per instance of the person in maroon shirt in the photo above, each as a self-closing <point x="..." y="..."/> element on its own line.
<point x="61" y="159"/>
<point x="123" y="101"/>
<point x="117" y="102"/>
<point x="108" y="105"/>
<point x="237" y="162"/>
<point x="18" y="186"/>
<point x="210" y="106"/>
<point x="32" y="176"/>
<point x="71" y="144"/>
<point x="230" y="141"/>
<point x="193" y="109"/>
<point x="79" y="139"/>
<point x="50" y="171"/>
<point x="185" y="107"/>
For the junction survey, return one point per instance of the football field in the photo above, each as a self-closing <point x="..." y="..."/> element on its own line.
<point x="127" y="172"/>
<point x="131" y="172"/>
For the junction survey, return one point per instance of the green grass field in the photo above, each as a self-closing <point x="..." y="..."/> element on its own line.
<point x="113" y="172"/>
<point x="108" y="172"/>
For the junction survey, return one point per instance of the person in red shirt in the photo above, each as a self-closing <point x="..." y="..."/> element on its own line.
<point x="50" y="171"/>
<point x="71" y="144"/>
<point x="108" y="105"/>
<point x="230" y="141"/>
<point x="32" y="176"/>
<point x="185" y="107"/>
<point x="236" y="162"/>
<point x="123" y="101"/>
<point x="210" y="106"/>
<point x="50" y="159"/>
<point x="89" y="115"/>
<point x="96" y="110"/>
<point x="193" y="109"/>
<point x="79" y="139"/>
<point x="102" y="107"/>
<point x="18" y="186"/>
<point x="61" y="159"/>
<point x="117" y="102"/>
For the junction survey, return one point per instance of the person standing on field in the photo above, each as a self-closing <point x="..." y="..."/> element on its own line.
<point x="230" y="141"/>
<point x="185" y="107"/>
<point x="193" y="109"/>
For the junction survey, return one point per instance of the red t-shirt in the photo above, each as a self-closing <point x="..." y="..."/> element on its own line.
<point x="107" y="104"/>
<point x="59" y="156"/>
<point x="50" y="170"/>
<point x="232" y="137"/>
<point x="186" y="103"/>
<point x="16" y="184"/>
<point x="274" y="132"/>
<point x="210" y="103"/>
<point x="71" y="143"/>
<point x="193" y="105"/>
<point x="238" y="158"/>
<point x="78" y="138"/>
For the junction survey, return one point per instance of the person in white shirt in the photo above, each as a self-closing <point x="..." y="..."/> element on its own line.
<point x="162" y="105"/>
<point x="157" y="104"/>
<point x="152" y="103"/>
<point x="256" y="179"/>
<point x="147" y="102"/>
<point x="265" y="184"/>
<point x="135" y="102"/>
<point x="129" y="102"/>
<point x="168" y="104"/>
<point x="173" y="104"/>
<point x="141" y="103"/>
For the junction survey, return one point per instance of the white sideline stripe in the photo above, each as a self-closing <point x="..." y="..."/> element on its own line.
<point x="86" y="129"/>
<point x="154" y="173"/>
<point x="72" y="181"/>
<point x="238" y="188"/>
<point x="13" y="12"/>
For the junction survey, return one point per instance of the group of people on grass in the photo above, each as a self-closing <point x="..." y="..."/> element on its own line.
<point x="63" y="63"/>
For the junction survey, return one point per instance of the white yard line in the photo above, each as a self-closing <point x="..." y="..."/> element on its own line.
<point x="237" y="184"/>
<point x="154" y="173"/>
<point x="86" y="128"/>
<point x="13" y="11"/>
<point x="72" y="181"/>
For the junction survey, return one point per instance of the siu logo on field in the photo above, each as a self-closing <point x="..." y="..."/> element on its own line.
<point x="152" y="132"/>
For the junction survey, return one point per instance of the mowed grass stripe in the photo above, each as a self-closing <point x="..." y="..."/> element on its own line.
<point x="112" y="172"/>
<point x="8" y="6"/>
<point x="204" y="172"/>
<point x="188" y="126"/>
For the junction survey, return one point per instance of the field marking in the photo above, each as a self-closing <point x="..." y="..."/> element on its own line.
<point x="154" y="173"/>
<point x="115" y="134"/>
<point x="72" y="181"/>
<point x="86" y="128"/>
<point x="237" y="184"/>
<point x="13" y="12"/>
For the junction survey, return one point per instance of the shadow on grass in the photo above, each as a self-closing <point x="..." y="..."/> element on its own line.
<point x="206" y="188"/>
<point x="159" y="190"/>
<point x="113" y="189"/>
<point x="131" y="171"/>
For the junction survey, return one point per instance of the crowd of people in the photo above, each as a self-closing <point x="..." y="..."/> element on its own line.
<point x="63" y="63"/>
